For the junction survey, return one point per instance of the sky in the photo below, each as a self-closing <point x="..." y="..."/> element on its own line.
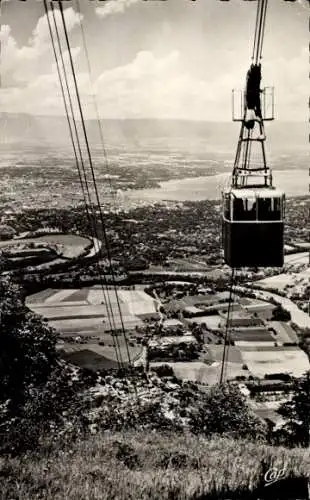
<point x="161" y="59"/>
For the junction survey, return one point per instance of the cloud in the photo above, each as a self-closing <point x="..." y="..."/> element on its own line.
<point x="20" y="65"/>
<point x="148" y="85"/>
<point x="41" y="32"/>
<point x="157" y="87"/>
<point x="291" y="81"/>
<point x="303" y="3"/>
<point x="30" y="81"/>
<point x="161" y="87"/>
<point x="114" y="7"/>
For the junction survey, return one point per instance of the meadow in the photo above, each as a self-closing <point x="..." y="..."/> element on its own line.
<point x="131" y="466"/>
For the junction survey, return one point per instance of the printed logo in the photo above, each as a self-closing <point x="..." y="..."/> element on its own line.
<point x="273" y="475"/>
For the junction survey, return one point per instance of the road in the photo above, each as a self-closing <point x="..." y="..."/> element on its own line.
<point x="299" y="317"/>
<point x="159" y="304"/>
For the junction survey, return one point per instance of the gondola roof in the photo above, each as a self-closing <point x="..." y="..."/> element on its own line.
<point x="255" y="192"/>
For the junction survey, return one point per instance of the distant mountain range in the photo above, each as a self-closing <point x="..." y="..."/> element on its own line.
<point x="32" y="130"/>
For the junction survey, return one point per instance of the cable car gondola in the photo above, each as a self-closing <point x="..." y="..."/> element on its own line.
<point x="253" y="209"/>
<point x="253" y="227"/>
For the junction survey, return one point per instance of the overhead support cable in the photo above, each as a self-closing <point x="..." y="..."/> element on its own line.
<point x="94" y="181"/>
<point x="227" y="335"/>
<point x="85" y="190"/>
<point x="95" y="101"/>
<point x="259" y="31"/>
<point x="89" y="206"/>
<point x="93" y="177"/>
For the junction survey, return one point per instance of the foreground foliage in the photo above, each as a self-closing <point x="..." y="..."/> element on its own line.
<point x="296" y="413"/>
<point x="38" y="393"/>
<point x="131" y="466"/>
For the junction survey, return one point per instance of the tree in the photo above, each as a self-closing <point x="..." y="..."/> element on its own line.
<point x="280" y="314"/>
<point x="297" y="413"/>
<point x="36" y="387"/>
<point x="224" y="410"/>
<point x="27" y="345"/>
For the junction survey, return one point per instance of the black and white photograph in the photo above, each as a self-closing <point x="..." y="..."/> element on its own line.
<point x="154" y="250"/>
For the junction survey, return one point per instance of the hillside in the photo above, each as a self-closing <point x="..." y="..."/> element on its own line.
<point x="32" y="130"/>
<point x="131" y="466"/>
<point x="67" y="433"/>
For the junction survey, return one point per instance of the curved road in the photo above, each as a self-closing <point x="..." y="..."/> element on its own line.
<point x="298" y="316"/>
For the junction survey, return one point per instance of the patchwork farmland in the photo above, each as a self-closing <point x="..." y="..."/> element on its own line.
<point x="90" y="311"/>
<point x="261" y="345"/>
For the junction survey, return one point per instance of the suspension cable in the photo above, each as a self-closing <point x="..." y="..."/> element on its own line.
<point x="0" y="46"/>
<point x="95" y="101"/>
<point x="98" y="119"/>
<point x="94" y="178"/>
<point x="66" y="106"/>
<point x="99" y="122"/>
<point x="93" y="228"/>
<point x="259" y="31"/>
<point x="263" y="28"/>
<point x="227" y="327"/>
<point x="85" y="193"/>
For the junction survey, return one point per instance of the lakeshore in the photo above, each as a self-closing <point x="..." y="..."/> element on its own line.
<point x="293" y="182"/>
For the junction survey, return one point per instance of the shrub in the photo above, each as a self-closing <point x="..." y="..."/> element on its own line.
<point x="163" y="370"/>
<point x="224" y="410"/>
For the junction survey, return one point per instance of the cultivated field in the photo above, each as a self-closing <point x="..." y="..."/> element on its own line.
<point x="285" y="333"/>
<point x="87" y="311"/>
<point x="215" y="353"/>
<point x="261" y="361"/>
<point x="197" y="371"/>
<point x="103" y="357"/>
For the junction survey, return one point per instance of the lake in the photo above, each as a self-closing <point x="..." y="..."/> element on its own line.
<point x="294" y="182"/>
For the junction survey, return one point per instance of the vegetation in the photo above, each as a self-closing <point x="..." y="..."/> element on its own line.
<point x="297" y="414"/>
<point x="182" y="441"/>
<point x="37" y="394"/>
<point x="143" y="465"/>
<point x="280" y="314"/>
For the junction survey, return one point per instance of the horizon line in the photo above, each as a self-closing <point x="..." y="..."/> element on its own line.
<point x="193" y="120"/>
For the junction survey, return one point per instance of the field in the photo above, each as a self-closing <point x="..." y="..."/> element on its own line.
<point x="213" y="322"/>
<point x="285" y="333"/>
<point x="298" y="316"/>
<point x="296" y="273"/>
<point x="202" y="301"/>
<point x="95" y="357"/>
<point x="69" y="245"/>
<point x="257" y="334"/>
<point x="215" y="353"/>
<point x="86" y="311"/>
<point x="260" y="357"/>
<point x="283" y="281"/>
<point x="262" y="360"/>
<point x="296" y="258"/>
<point x="188" y="265"/>
<point x="197" y="371"/>
<point x="143" y="466"/>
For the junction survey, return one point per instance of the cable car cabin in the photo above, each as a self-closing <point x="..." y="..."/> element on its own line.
<point x="253" y="227"/>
